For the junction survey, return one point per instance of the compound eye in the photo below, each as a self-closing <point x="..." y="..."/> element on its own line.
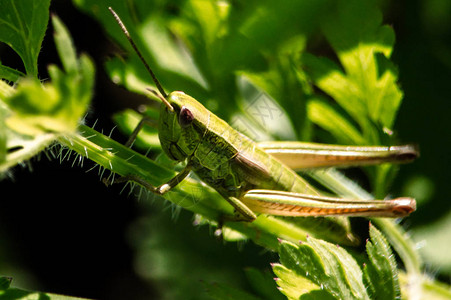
<point x="186" y="117"/>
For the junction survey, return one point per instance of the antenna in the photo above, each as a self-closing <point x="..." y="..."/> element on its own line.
<point x="124" y="29"/>
<point x="166" y="102"/>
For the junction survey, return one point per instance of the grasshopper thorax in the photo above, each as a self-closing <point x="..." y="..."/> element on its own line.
<point x="182" y="124"/>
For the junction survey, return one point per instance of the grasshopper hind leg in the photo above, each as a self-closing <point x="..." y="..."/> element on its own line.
<point x="242" y="213"/>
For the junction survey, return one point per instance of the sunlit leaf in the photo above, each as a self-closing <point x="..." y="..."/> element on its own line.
<point x="365" y="85"/>
<point x="324" y="115"/>
<point x="325" y="267"/>
<point x="10" y="74"/>
<point x="22" y="27"/>
<point x="381" y="274"/>
<point x="56" y="107"/>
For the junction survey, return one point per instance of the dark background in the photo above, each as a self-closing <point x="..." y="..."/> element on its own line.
<point x="65" y="232"/>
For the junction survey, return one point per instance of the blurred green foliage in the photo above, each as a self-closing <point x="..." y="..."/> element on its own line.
<point x="325" y="64"/>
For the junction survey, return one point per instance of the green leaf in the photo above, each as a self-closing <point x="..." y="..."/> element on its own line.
<point x="325" y="116"/>
<point x="325" y="267"/>
<point x="295" y="286"/>
<point x="210" y="17"/>
<point x="331" y="79"/>
<point x="273" y="23"/>
<point x="365" y="84"/>
<point x="381" y="274"/>
<point x="10" y="74"/>
<point x="35" y="113"/>
<point x="65" y="47"/>
<point x="33" y="105"/>
<point x="22" y="27"/>
<point x="358" y="47"/>
<point x="14" y="147"/>
<point x="58" y="106"/>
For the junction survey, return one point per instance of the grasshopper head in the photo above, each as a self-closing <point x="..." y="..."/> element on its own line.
<point x="182" y="124"/>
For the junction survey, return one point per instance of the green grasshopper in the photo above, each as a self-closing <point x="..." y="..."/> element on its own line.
<point x="259" y="178"/>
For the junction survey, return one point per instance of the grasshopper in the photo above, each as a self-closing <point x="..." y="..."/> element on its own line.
<point x="259" y="178"/>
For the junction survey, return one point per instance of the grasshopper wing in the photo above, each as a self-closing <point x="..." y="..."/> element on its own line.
<point x="299" y="155"/>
